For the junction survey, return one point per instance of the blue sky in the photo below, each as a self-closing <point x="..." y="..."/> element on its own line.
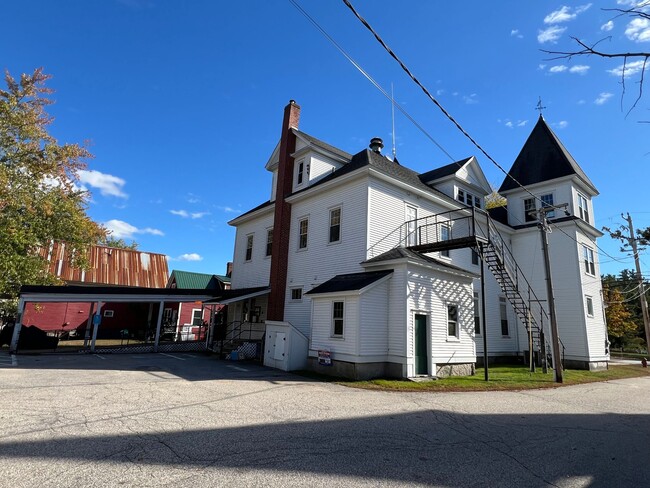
<point x="181" y="102"/>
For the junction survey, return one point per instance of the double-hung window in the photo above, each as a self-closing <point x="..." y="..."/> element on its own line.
<point x="296" y="294"/>
<point x="337" y="319"/>
<point x="335" y="225"/>
<point x="269" y="241"/>
<point x="477" y="315"/>
<point x="445" y="235"/>
<point x="590" y="306"/>
<point x="583" y="208"/>
<point x="529" y="210"/>
<point x="588" y="258"/>
<point x="249" y="247"/>
<point x="303" y="227"/>
<point x="411" y="225"/>
<point x="547" y="201"/>
<point x="503" y="312"/>
<point x="452" y="320"/>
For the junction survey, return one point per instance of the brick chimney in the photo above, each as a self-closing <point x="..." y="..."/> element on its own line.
<point x="282" y="218"/>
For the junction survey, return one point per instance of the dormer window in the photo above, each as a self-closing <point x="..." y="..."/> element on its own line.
<point x="467" y="198"/>
<point x="583" y="208"/>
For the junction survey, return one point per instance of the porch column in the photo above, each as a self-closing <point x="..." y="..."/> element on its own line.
<point x="158" y="326"/>
<point x="19" y="319"/>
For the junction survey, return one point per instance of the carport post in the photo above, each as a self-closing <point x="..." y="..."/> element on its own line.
<point x="96" y="327"/>
<point x="18" y="325"/>
<point x="158" y="325"/>
<point x="89" y="324"/>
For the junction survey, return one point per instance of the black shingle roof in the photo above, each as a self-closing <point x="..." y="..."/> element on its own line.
<point x="349" y="282"/>
<point x="443" y="171"/>
<point x="321" y="144"/>
<point x="402" y="252"/>
<point x="542" y="158"/>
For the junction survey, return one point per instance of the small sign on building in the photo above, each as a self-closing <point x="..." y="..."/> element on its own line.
<point x="324" y="357"/>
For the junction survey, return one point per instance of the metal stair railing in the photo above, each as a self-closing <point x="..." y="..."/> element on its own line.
<point x="470" y="227"/>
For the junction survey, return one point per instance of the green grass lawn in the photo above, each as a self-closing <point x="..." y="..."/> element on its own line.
<point x="502" y="378"/>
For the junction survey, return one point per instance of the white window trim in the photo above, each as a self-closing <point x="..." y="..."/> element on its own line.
<point x="298" y="173"/>
<point x="582" y="212"/>
<point x="588" y="299"/>
<point x="329" y="223"/>
<point x="295" y="300"/>
<point x="268" y="256"/>
<point x="252" y="240"/>
<point x="476" y="299"/>
<point x="109" y="313"/>
<point x="504" y="300"/>
<point x="447" y="256"/>
<point x="332" y="334"/>
<point x="192" y="317"/>
<point x="300" y="220"/>
<point x="407" y="218"/>
<point x="590" y="254"/>
<point x="456" y="337"/>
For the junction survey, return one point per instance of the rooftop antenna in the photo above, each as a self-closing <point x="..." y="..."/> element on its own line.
<point x="540" y="107"/>
<point x="392" y="109"/>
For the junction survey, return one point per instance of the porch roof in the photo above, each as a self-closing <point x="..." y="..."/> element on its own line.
<point x="349" y="282"/>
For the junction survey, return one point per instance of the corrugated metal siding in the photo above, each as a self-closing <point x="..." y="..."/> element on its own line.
<point x="109" y="266"/>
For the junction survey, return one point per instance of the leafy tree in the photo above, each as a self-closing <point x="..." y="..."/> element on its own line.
<point x="110" y="241"/>
<point x="39" y="200"/>
<point x="494" y="200"/>
<point x="618" y="315"/>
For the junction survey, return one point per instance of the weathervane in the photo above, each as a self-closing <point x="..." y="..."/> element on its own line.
<point x="539" y="106"/>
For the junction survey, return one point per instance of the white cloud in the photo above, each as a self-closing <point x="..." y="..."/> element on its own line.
<point x="185" y="214"/>
<point x="581" y="102"/>
<point x="198" y="215"/>
<point x="561" y="124"/>
<point x="638" y="30"/>
<point x="121" y="229"/>
<point x="557" y="69"/>
<point x="607" y="26"/>
<point x="189" y="257"/>
<point x="565" y="14"/>
<point x="509" y="124"/>
<point x="108" y="185"/>
<point x="580" y="69"/>
<point x="522" y="123"/>
<point x="440" y="92"/>
<point x="180" y="213"/>
<point x="552" y="34"/>
<point x="603" y="97"/>
<point x="541" y="67"/>
<point x="470" y="100"/>
<point x="230" y="209"/>
<point x="516" y="33"/>
<point x="630" y="68"/>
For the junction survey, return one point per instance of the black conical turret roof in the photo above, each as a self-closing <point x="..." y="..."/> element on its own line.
<point x="543" y="158"/>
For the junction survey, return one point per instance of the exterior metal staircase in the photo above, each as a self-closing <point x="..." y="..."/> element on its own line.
<point x="474" y="228"/>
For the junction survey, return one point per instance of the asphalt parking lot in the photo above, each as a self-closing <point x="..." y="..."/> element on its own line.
<point x="187" y="420"/>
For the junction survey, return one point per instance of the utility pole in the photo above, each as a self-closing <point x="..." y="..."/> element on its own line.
<point x="639" y="276"/>
<point x="555" y="339"/>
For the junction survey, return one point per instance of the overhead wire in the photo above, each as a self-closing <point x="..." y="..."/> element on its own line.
<point x="369" y="78"/>
<point x="455" y="122"/>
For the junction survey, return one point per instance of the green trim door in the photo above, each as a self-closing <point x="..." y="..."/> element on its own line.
<point x="421" y="359"/>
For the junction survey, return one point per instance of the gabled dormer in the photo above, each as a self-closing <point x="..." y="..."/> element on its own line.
<point x="313" y="160"/>
<point x="547" y="170"/>
<point x="462" y="180"/>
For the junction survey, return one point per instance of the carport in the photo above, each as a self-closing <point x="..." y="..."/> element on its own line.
<point x="146" y="336"/>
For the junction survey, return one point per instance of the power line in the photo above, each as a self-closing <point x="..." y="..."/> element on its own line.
<point x="369" y="78"/>
<point x="455" y="122"/>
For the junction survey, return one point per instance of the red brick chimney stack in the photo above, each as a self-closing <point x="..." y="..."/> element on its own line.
<point x="282" y="218"/>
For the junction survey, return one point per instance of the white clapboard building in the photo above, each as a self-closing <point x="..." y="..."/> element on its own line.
<point x="362" y="263"/>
